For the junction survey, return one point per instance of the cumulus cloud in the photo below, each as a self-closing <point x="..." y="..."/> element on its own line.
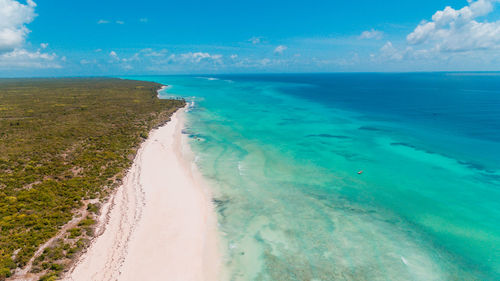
<point x="13" y="19"/>
<point x="264" y="61"/>
<point x="148" y="52"/>
<point x="102" y="21"/>
<point x="453" y="38"/>
<point x="389" y="51"/>
<point x="20" y="58"/>
<point x="14" y="16"/>
<point x="120" y="22"/>
<point x="158" y="60"/>
<point x="200" y="56"/>
<point x="115" y="60"/>
<point x="114" y="56"/>
<point x="460" y="30"/>
<point x="371" y="34"/>
<point x="280" y="49"/>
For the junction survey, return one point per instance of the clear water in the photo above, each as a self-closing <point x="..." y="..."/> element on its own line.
<point x="282" y="153"/>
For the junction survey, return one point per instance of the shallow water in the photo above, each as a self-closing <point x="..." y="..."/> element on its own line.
<point x="283" y="152"/>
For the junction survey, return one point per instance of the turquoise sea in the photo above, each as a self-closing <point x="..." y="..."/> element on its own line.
<point x="283" y="154"/>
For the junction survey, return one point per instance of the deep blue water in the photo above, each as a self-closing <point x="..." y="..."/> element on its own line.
<point x="463" y="104"/>
<point x="282" y="153"/>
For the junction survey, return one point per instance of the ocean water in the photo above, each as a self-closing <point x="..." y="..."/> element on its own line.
<point x="283" y="155"/>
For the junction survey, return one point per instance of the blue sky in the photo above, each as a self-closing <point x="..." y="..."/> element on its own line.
<point x="51" y="38"/>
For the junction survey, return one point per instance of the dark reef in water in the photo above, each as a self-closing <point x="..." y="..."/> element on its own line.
<point x="469" y="164"/>
<point x="220" y="205"/>
<point x="475" y="166"/>
<point x="329" y="136"/>
<point x="407" y="145"/>
<point x="374" y="129"/>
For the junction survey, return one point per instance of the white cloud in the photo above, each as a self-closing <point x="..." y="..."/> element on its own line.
<point x="453" y="30"/>
<point x="197" y="57"/>
<point x="389" y="51"/>
<point x="280" y="49"/>
<point x="406" y="53"/>
<point x="14" y="16"/>
<point x="116" y="60"/>
<point x="265" y="61"/>
<point x="102" y="21"/>
<point x="234" y="56"/>
<point x="114" y="56"/>
<point x="85" y="61"/>
<point x="453" y="39"/>
<point x="157" y="59"/>
<point x="21" y="58"/>
<point x="200" y="56"/>
<point x="255" y="40"/>
<point x="371" y="34"/>
<point x="13" y="19"/>
<point x="148" y="52"/>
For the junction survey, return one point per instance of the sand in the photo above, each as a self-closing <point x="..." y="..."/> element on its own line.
<point x="160" y="224"/>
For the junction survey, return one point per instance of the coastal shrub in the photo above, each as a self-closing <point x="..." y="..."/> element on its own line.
<point x="56" y="267"/>
<point x="74" y="232"/>
<point x="48" y="277"/>
<point x="5" y="272"/>
<point x="86" y="222"/>
<point x="92" y="208"/>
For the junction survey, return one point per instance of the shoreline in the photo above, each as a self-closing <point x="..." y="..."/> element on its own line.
<point x="160" y="223"/>
<point x="161" y="89"/>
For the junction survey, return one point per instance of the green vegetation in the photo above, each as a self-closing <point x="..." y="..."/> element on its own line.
<point x="63" y="142"/>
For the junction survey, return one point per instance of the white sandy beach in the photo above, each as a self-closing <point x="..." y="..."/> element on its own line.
<point x="160" y="224"/>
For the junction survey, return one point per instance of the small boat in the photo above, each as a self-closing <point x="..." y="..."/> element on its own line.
<point x="360" y="172"/>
